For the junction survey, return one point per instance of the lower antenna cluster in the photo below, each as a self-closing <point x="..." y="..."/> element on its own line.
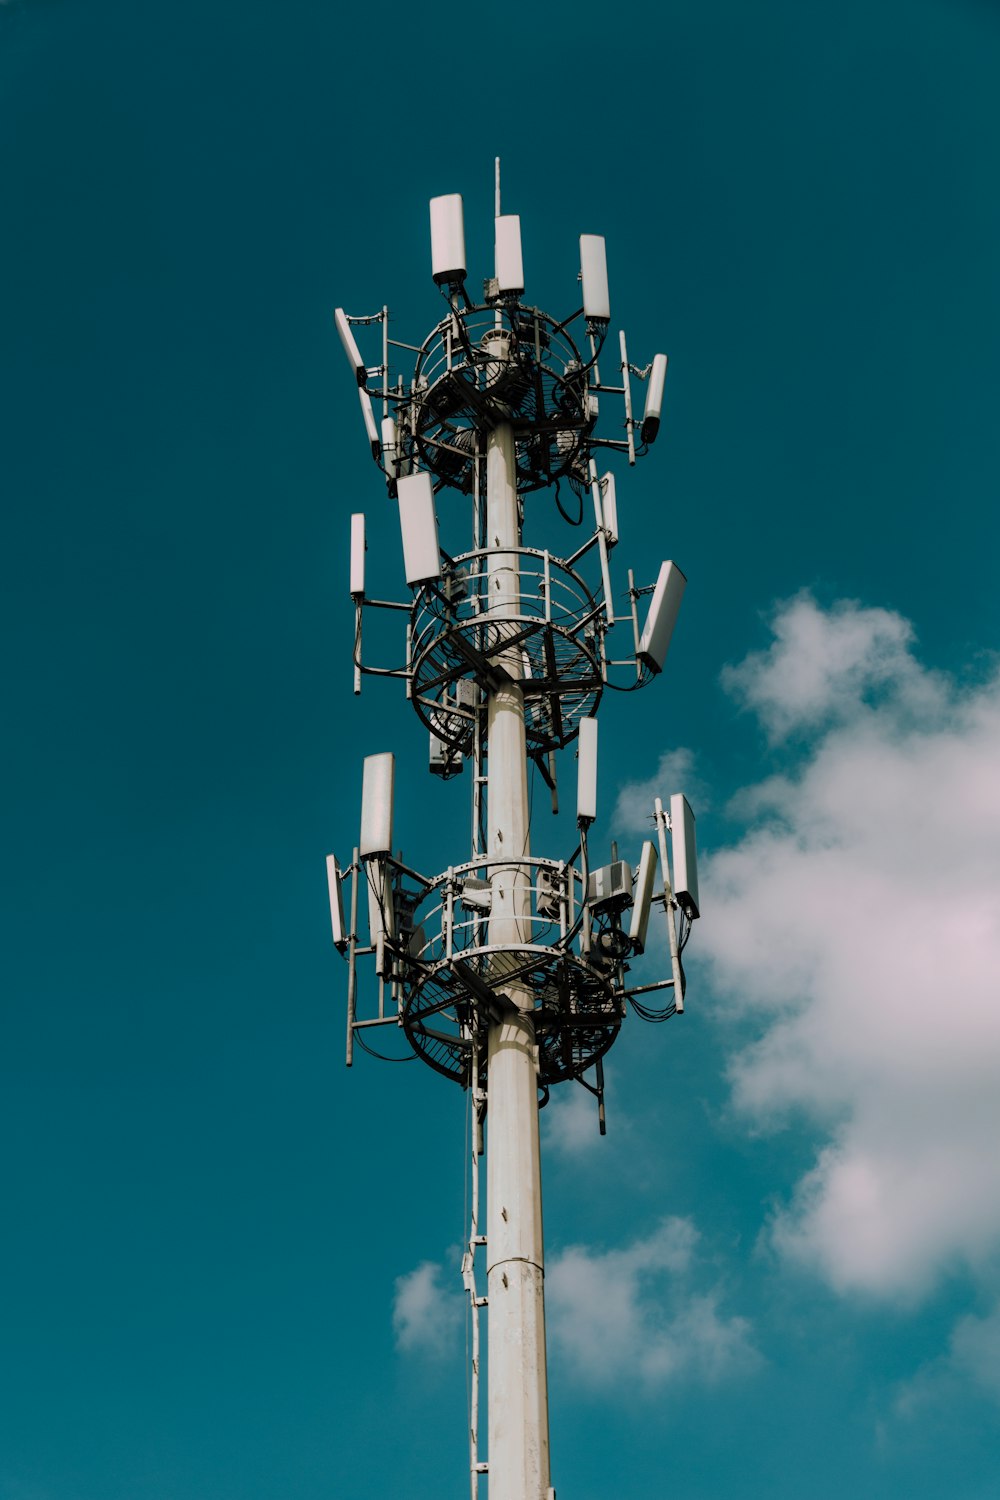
<point x="441" y="980"/>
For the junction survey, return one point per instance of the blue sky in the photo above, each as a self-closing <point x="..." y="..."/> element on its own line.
<point x="229" y="1265"/>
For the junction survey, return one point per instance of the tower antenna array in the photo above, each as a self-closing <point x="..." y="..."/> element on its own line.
<point x="510" y="972"/>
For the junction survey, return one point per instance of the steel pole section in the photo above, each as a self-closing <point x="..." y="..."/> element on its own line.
<point x="518" y="1417"/>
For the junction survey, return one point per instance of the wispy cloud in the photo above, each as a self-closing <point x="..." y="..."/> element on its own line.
<point x="975" y="1351"/>
<point x="971" y="1365"/>
<point x="569" y="1123"/>
<point x="427" y="1310"/>
<point x="640" y="1314"/>
<point x="857" y="923"/>
<point x="824" y="666"/>
<point x="630" y="1316"/>
<point x="674" y="773"/>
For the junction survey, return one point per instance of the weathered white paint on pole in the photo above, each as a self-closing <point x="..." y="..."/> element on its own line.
<point x="517" y="1385"/>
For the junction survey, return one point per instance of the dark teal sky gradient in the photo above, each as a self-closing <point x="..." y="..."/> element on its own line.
<point x="203" y="1212"/>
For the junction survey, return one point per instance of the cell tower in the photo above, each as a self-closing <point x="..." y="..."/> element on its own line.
<point x="509" y="972"/>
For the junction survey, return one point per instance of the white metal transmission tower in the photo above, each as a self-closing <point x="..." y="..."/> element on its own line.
<point x="509" y="972"/>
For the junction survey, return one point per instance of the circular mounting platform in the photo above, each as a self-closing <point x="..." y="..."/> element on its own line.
<point x="576" y="1016"/>
<point x="576" y="1012"/>
<point x="490" y="364"/>
<point x="553" y="646"/>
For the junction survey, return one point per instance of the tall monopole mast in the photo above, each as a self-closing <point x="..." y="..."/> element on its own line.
<point x="511" y="971"/>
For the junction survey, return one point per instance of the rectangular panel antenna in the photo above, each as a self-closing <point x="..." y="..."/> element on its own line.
<point x="643" y="895"/>
<point x="351" y="349"/>
<point x="586" y="773"/>
<point x="609" y="506"/>
<point x="377" y="785"/>
<point x="594" y="271"/>
<point x="509" y="262"/>
<point x="357" y="556"/>
<point x="418" y="524"/>
<point x="654" y="399"/>
<point x="390" y="441"/>
<point x="682" y="837"/>
<point x="334" y="883"/>
<point x="368" y="412"/>
<point x="447" y="239"/>
<point x="662" y="617"/>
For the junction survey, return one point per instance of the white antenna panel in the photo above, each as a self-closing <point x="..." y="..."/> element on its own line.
<point x="357" y="556"/>
<point x="418" y="524"/>
<point x="662" y="617"/>
<point x="333" y="880"/>
<point x="586" y="773"/>
<point x="682" y="838"/>
<point x="447" y="239"/>
<point x="390" y="439"/>
<point x="594" y="271"/>
<point x="351" y="349"/>
<point x="508" y="260"/>
<point x="368" y="412"/>
<point x="376" y="804"/>
<point x="609" y="507"/>
<point x="654" y="398"/>
<point x="643" y="895"/>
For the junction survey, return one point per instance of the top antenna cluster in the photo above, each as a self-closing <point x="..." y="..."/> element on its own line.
<point x="500" y="360"/>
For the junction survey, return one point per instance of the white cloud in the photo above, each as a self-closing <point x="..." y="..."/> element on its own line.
<point x="634" y="1316"/>
<point x="634" y="806"/>
<point x="625" y="1318"/>
<point x="857" y="923"/>
<point x="971" y="1366"/>
<point x="822" y="665"/>
<point x="569" y="1122"/>
<point x="975" y="1351"/>
<point x="427" y="1313"/>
